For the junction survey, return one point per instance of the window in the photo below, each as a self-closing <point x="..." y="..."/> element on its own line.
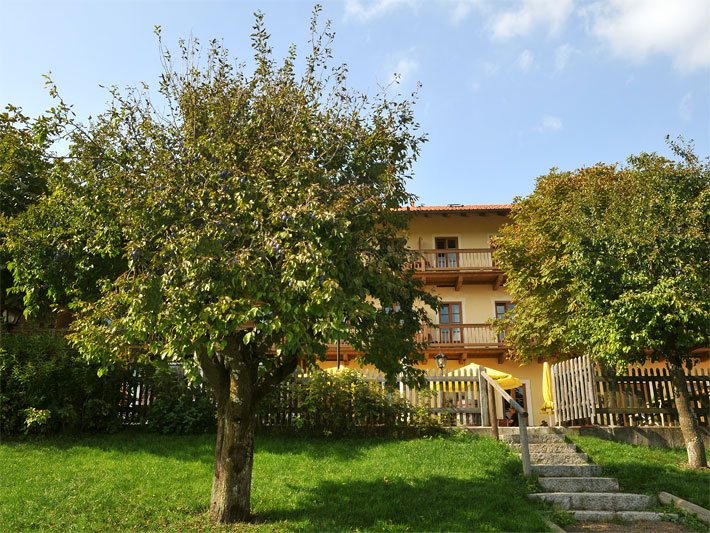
<point x="450" y="330"/>
<point x="446" y="259"/>
<point x="504" y="310"/>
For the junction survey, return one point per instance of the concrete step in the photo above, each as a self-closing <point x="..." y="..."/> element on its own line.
<point x="614" y="516"/>
<point x="539" y="438"/>
<point x="587" y="470"/>
<point x="533" y="430"/>
<point x="566" y="458"/>
<point x="595" y="501"/>
<point x="579" y="484"/>
<point x="547" y="447"/>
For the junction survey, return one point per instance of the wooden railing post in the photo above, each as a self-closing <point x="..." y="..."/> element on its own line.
<point x="524" y="447"/>
<point x="492" y="411"/>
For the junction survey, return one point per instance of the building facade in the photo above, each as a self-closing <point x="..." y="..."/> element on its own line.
<point x="456" y="263"/>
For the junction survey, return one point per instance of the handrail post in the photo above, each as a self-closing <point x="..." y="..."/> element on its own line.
<point x="492" y="412"/>
<point x="524" y="447"/>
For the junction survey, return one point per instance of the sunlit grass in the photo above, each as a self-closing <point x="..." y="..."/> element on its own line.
<point x="152" y="482"/>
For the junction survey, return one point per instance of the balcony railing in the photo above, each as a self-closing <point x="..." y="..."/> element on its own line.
<point x="455" y="259"/>
<point x="452" y="336"/>
<point x="461" y="335"/>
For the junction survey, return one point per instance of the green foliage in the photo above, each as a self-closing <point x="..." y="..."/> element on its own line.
<point x="178" y="406"/>
<point x="258" y="212"/>
<point x="345" y="404"/>
<point x="36" y="419"/>
<point x="25" y="169"/>
<point x="45" y="387"/>
<point x="24" y="159"/>
<point x="611" y="261"/>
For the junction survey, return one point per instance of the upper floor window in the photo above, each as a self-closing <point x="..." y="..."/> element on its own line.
<point x="446" y="259"/>
<point x="450" y="323"/>
<point x="504" y="310"/>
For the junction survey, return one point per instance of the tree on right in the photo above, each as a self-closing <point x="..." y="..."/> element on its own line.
<point x="613" y="262"/>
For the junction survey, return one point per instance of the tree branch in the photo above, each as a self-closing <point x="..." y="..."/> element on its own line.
<point x="276" y="376"/>
<point x="217" y="375"/>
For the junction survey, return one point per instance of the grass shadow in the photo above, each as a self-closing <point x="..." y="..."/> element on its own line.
<point x="437" y="503"/>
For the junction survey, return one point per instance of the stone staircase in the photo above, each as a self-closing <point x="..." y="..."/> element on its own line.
<point x="570" y="482"/>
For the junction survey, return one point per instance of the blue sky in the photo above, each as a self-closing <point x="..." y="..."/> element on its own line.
<point x="509" y="88"/>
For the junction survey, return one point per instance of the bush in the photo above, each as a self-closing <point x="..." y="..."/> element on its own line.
<point x="345" y="404"/>
<point x="177" y="406"/>
<point x="45" y="387"/>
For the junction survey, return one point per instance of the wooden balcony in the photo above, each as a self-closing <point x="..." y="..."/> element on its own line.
<point x="461" y="336"/>
<point x="457" y="266"/>
<point x="459" y="340"/>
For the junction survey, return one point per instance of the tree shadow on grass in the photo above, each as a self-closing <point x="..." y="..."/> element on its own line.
<point x="320" y="447"/>
<point x="201" y="447"/>
<point x="437" y="503"/>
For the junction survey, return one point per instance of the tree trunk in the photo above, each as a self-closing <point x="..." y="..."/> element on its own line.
<point x="235" y="390"/>
<point x="234" y="458"/>
<point x="686" y="417"/>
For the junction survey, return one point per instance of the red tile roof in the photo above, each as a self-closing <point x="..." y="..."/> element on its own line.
<point x="456" y="207"/>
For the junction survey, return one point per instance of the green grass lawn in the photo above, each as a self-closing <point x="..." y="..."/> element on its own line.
<point x="149" y="482"/>
<point x="649" y="470"/>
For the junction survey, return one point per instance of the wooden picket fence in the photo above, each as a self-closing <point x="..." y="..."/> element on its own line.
<point x="573" y="390"/>
<point x="586" y="393"/>
<point x="454" y="396"/>
<point x="135" y="398"/>
<point x="644" y="397"/>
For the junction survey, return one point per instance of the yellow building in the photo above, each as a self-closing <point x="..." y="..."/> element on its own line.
<point x="457" y="265"/>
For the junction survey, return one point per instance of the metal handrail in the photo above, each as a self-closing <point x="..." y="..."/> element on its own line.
<point x="522" y="422"/>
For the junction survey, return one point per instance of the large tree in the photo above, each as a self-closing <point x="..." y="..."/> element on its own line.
<point x="240" y="224"/>
<point x="613" y="261"/>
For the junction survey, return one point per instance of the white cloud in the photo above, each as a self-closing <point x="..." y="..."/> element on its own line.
<point x="531" y="14"/>
<point x="549" y="123"/>
<point x="563" y="55"/>
<point x="365" y="10"/>
<point x="685" y="107"/>
<point x="635" y="29"/>
<point x="526" y="60"/>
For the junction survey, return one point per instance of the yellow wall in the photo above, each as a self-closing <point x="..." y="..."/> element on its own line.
<point x="473" y="231"/>
<point x="477" y="301"/>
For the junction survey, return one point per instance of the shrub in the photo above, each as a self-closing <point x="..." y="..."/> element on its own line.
<point x="344" y="404"/>
<point x="45" y="387"/>
<point x="177" y="406"/>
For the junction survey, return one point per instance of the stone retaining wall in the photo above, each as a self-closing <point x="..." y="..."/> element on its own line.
<point x="656" y="436"/>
